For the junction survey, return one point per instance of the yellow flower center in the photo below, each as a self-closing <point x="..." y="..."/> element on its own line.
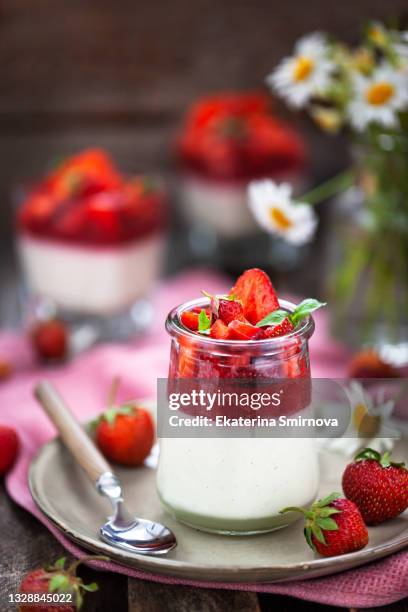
<point x="377" y="35"/>
<point x="366" y="424"/>
<point x="379" y="93"/>
<point x="303" y="68"/>
<point x="279" y="218"/>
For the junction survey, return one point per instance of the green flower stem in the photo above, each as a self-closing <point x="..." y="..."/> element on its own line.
<point x="329" y="188"/>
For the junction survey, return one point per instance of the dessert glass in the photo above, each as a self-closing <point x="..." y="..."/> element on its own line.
<point x="238" y="485"/>
<point x="92" y="259"/>
<point x="228" y="140"/>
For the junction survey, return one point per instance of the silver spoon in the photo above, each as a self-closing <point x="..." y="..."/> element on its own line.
<point x="122" y="529"/>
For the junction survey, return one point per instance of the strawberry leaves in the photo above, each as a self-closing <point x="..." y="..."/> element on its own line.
<point x="302" y="310"/>
<point x="318" y="519"/>
<point x="373" y="455"/>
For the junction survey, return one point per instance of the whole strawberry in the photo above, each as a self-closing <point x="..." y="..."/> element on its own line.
<point x="56" y="579"/>
<point x="333" y="526"/>
<point x="50" y="340"/>
<point x="9" y="445"/>
<point x="378" y="486"/>
<point x="125" y="434"/>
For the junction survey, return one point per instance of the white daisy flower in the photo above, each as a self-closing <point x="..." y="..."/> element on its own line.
<point x="306" y="73"/>
<point x="277" y="213"/>
<point x="378" y="98"/>
<point x="370" y="423"/>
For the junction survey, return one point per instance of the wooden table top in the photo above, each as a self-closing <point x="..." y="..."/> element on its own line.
<point x="26" y="544"/>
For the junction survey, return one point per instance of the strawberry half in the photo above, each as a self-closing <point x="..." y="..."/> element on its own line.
<point x="278" y="330"/>
<point x="189" y="319"/>
<point x="378" y="486"/>
<point x="219" y="330"/>
<point x="333" y="526"/>
<point x="255" y="291"/>
<point x="242" y="330"/>
<point x="228" y="310"/>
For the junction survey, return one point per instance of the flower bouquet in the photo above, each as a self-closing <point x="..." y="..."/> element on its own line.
<point x="364" y="90"/>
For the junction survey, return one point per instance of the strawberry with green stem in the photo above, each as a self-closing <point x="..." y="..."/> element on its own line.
<point x="124" y="433"/>
<point x="56" y="579"/>
<point x="333" y="526"/>
<point x="377" y="485"/>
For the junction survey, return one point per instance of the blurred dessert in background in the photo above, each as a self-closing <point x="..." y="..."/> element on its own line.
<point x="226" y="141"/>
<point x="90" y="240"/>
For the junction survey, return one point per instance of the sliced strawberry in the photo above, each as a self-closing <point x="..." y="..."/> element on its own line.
<point x="278" y="330"/>
<point x="103" y="216"/>
<point x="87" y="172"/>
<point x="219" y="330"/>
<point x="190" y="320"/>
<point x="256" y="293"/>
<point x="228" y="310"/>
<point x="242" y="330"/>
<point x="188" y="356"/>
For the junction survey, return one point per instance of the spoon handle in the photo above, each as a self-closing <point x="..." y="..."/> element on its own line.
<point x="74" y="436"/>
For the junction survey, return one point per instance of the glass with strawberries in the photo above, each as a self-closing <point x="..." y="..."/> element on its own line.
<point x="233" y="484"/>
<point x="228" y="140"/>
<point x="90" y="243"/>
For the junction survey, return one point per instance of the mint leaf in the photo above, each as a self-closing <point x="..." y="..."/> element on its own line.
<point x="302" y="310"/>
<point x="305" y="308"/>
<point x="204" y="322"/>
<point x="276" y="317"/>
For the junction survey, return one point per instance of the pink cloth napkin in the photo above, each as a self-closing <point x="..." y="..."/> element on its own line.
<point x="85" y="382"/>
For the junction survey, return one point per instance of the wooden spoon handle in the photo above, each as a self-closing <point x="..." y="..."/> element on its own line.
<point x="73" y="435"/>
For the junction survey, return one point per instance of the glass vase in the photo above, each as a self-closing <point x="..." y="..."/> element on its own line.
<point x="368" y="284"/>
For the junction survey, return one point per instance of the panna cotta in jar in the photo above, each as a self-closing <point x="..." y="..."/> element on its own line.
<point x="89" y="240"/>
<point x="226" y="141"/>
<point x="238" y="483"/>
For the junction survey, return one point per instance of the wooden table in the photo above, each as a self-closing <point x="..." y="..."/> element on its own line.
<point x="26" y="544"/>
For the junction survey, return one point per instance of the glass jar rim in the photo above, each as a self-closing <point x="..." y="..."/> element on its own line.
<point x="175" y="328"/>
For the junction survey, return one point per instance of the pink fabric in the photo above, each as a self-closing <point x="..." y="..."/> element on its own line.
<point x="85" y="381"/>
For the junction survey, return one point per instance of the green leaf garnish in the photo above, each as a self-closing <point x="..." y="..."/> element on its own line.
<point x="204" y="322"/>
<point x="274" y="318"/>
<point x="302" y="310"/>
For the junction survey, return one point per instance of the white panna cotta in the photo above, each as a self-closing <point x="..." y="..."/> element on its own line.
<point x="222" y="206"/>
<point x="91" y="279"/>
<point x="237" y="484"/>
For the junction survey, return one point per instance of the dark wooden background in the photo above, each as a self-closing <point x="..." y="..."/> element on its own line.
<point x="120" y="73"/>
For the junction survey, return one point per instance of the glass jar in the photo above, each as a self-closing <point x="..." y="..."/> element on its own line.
<point x="238" y="485"/>
<point x="92" y="259"/>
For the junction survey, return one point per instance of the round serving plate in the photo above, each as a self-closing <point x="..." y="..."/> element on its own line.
<point x="66" y="497"/>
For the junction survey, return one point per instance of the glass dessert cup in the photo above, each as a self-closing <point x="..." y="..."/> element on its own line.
<point x="238" y="485"/>
<point x="90" y="244"/>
